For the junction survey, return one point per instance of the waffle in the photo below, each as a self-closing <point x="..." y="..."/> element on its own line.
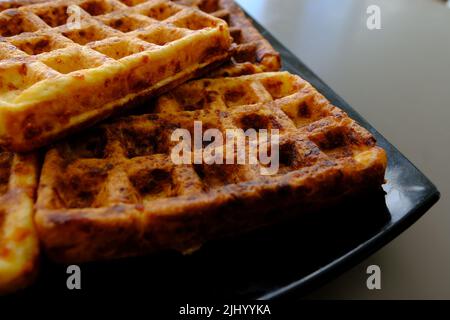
<point x="18" y="238"/>
<point x="56" y="77"/>
<point x="251" y="48"/>
<point x="115" y="191"/>
<point x="252" y="52"/>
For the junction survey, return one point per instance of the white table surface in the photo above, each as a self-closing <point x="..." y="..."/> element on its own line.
<point x="398" y="78"/>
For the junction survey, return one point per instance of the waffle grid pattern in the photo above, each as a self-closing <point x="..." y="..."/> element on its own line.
<point x="47" y="64"/>
<point x="127" y="164"/>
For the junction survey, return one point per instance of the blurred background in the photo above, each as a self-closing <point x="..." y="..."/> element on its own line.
<point x="398" y="78"/>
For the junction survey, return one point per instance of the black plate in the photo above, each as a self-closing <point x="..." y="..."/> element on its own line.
<point x="285" y="261"/>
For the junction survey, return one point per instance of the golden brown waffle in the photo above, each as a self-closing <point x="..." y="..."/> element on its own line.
<point x="251" y="48"/>
<point x="115" y="192"/>
<point x="57" y="77"/>
<point x="18" y="238"/>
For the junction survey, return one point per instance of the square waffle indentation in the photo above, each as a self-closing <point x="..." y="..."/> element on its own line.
<point x="262" y="117"/>
<point x="90" y="145"/>
<point x="99" y="7"/>
<point x="160" y="11"/>
<point x="306" y="106"/>
<point x="336" y="141"/>
<point x="128" y="23"/>
<point x="80" y="187"/>
<point x="257" y="121"/>
<point x="70" y="60"/>
<point x="14" y="22"/>
<point x="148" y="139"/>
<point x="280" y="88"/>
<point x="53" y="15"/>
<point x="161" y="35"/>
<point x="195" y="20"/>
<point x="154" y="183"/>
<point x="209" y="6"/>
<point x="242" y="94"/>
<point x="87" y="34"/>
<point x="118" y="48"/>
<point x="35" y="44"/>
<point x="289" y="155"/>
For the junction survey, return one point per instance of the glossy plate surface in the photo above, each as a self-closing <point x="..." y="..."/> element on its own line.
<point x="285" y="261"/>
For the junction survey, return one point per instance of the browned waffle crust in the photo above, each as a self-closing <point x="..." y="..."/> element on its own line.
<point x="116" y="192"/>
<point x="56" y="78"/>
<point x="251" y="48"/>
<point x="18" y="238"/>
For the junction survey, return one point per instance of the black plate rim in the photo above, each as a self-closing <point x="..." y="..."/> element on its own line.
<point x="354" y="257"/>
<point x="381" y="239"/>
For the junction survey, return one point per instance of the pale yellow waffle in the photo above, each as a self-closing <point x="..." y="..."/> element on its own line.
<point x="116" y="191"/>
<point x="252" y="52"/>
<point x="57" y="77"/>
<point x="18" y="239"/>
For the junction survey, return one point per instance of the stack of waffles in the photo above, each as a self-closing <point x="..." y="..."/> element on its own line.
<point x="109" y="186"/>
